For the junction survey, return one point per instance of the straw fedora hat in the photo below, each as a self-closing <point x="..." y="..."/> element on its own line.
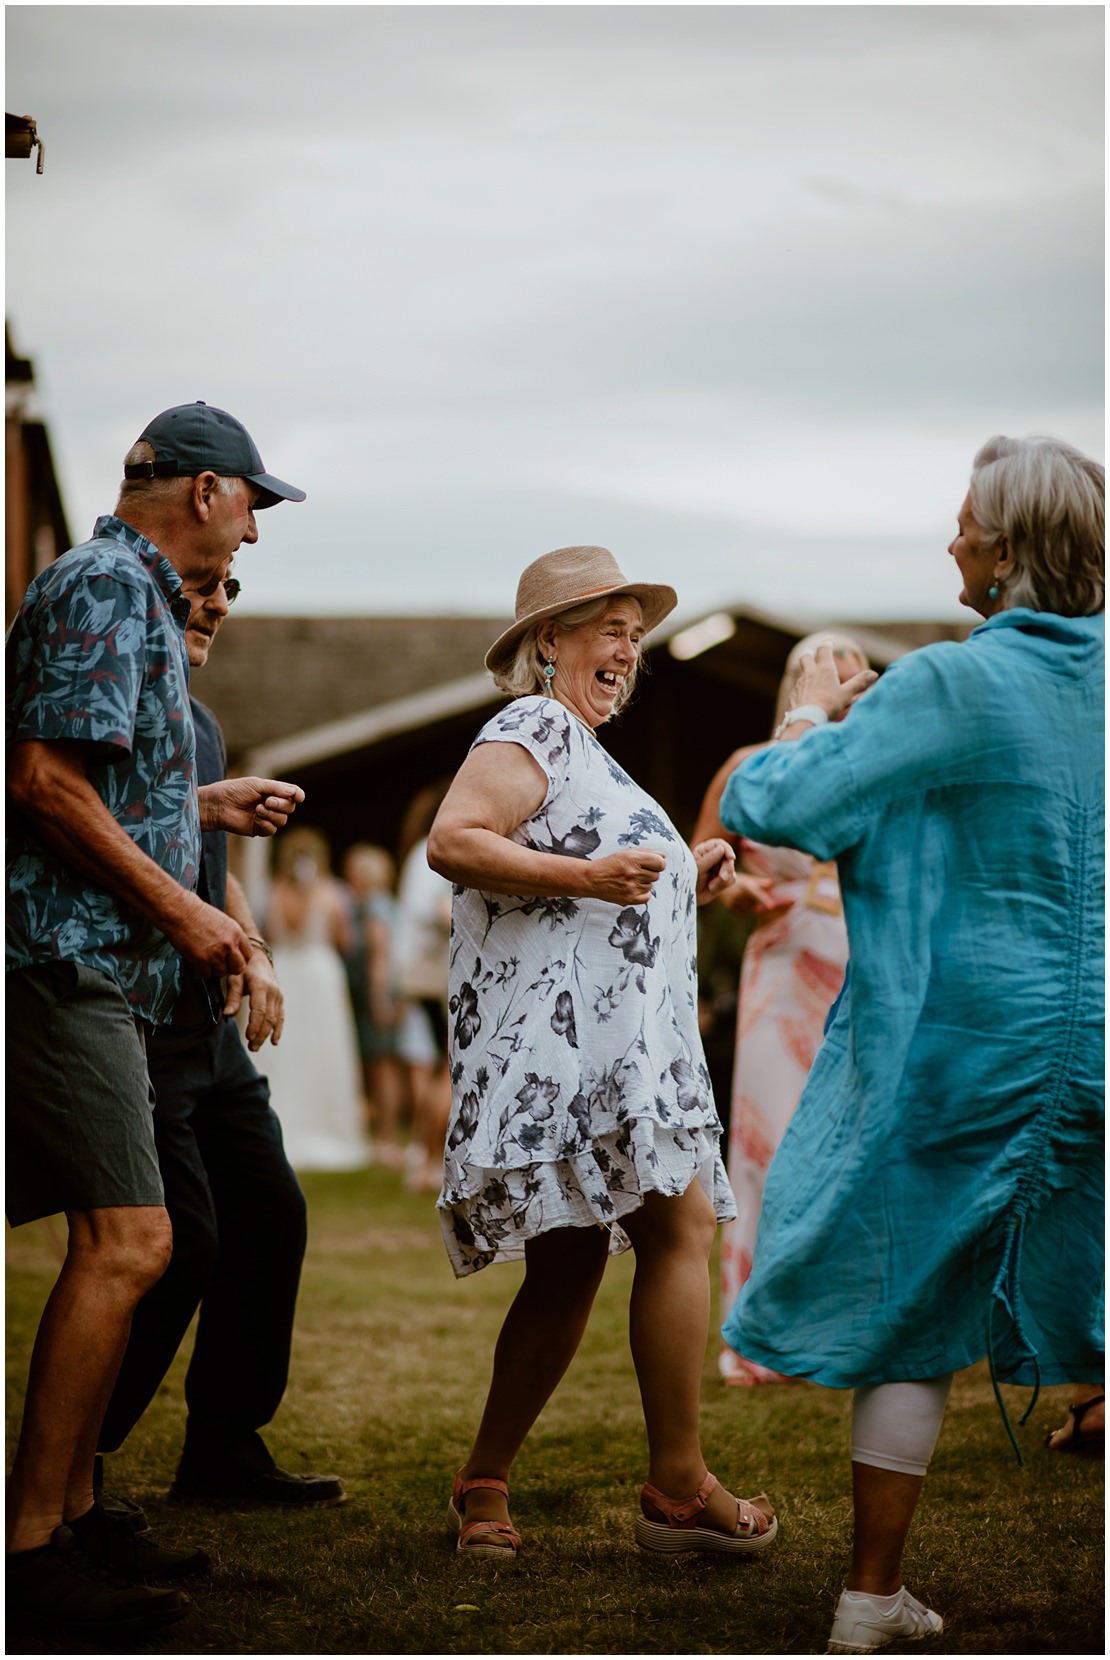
<point x="558" y="581"/>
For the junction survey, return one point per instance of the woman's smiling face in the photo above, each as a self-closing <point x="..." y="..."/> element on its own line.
<point x="593" y="662"/>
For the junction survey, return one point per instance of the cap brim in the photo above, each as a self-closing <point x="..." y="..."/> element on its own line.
<point x="273" y="490"/>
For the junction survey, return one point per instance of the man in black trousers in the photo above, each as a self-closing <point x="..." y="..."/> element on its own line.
<point x="238" y="1213"/>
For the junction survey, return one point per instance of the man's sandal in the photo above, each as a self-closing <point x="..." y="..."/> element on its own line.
<point x="1087" y="1443"/>
<point x="478" y="1538"/>
<point x="753" y="1532"/>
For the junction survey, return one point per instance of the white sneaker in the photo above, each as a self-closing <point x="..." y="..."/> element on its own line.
<point x="864" y="1623"/>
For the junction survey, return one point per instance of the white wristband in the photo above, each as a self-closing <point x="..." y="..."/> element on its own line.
<point x="811" y="712"/>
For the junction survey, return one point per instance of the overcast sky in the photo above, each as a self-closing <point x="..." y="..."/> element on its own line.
<point x="736" y="291"/>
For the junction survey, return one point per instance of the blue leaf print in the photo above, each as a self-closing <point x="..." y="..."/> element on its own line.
<point x="644" y="823"/>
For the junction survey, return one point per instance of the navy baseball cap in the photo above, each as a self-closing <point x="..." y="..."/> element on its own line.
<point x="197" y="438"/>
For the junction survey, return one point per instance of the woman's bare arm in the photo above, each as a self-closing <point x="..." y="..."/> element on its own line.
<point x="498" y="787"/>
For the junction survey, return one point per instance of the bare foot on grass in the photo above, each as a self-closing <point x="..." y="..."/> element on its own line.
<point x="1085" y="1429"/>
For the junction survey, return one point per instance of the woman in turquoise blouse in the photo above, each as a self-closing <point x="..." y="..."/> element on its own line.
<point x="945" y="1160"/>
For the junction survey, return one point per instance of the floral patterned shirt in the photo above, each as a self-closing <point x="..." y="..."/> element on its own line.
<point x="97" y="655"/>
<point x="577" y="1065"/>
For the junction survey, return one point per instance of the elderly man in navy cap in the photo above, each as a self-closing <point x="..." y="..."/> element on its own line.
<point x="103" y="848"/>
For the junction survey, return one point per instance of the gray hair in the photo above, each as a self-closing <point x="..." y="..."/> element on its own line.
<point x="158" y="489"/>
<point x="841" y="644"/>
<point x="522" y="675"/>
<point x="1049" y="502"/>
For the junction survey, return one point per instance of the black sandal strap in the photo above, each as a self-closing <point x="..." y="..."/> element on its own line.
<point x="1079" y="1409"/>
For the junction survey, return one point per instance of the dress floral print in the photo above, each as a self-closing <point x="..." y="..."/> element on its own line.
<point x="579" y="1082"/>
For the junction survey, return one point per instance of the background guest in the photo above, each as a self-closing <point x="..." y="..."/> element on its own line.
<point x="423" y="943"/>
<point x="372" y="980"/>
<point x="792" y="970"/>
<point x="315" y="1077"/>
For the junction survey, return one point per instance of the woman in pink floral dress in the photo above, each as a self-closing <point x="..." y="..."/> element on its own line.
<point x="792" y="973"/>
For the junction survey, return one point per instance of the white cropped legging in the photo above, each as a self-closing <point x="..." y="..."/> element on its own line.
<point x="895" y="1425"/>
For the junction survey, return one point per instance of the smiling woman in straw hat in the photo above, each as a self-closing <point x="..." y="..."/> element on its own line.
<point x="582" y="1119"/>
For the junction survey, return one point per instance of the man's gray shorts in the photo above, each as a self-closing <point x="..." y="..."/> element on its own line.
<point x="80" y="1134"/>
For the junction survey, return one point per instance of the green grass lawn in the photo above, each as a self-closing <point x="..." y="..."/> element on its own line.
<point x="389" y="1373"/>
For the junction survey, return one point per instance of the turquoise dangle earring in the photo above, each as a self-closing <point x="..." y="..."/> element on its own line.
<point x="548" y="673"/>
<point x="993" y="591"/>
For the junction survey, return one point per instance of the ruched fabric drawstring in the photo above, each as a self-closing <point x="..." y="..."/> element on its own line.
<point x="1007" y="1292"/>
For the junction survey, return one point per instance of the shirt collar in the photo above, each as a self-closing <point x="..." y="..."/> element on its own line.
<point x="145" y="552"/>
<point x="1047" y="625"/>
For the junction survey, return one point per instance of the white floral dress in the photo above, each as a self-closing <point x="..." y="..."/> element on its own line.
<point x="579" y="1082"/>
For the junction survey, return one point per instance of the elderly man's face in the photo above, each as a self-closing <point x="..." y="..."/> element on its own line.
<point x="231" y="520"/>
<point x="208" y="549"/>
<point x="208" y="606"/>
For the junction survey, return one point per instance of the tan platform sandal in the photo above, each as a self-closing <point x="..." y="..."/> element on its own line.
<point x="681" y="1531"/>
<point x="470" y="1544"/>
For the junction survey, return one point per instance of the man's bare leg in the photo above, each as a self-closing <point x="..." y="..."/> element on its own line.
<point x="115" y="1255"/>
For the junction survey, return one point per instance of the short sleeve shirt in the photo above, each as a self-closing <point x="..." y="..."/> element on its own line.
<point x="97" y="656"/>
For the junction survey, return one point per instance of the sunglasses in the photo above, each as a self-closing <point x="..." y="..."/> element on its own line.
<point x="231" y="585"/>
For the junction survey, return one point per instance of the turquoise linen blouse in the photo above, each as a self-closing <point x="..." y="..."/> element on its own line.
<point x="939" y="1193"/>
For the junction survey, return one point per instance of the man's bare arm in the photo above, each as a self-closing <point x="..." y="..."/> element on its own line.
<point x="248" y="806"/>
<point x="48" y="784"/>
<point x="265" y="1002"/>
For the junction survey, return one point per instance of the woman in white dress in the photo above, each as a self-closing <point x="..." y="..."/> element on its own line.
<point x="314" y="1076"/>
<point x="582" y="1119"/>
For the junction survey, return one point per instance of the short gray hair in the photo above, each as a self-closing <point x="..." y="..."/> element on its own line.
<point x="158" y="489"/>
<point x="522" y="675"/>
<point x="1048" y="500"/>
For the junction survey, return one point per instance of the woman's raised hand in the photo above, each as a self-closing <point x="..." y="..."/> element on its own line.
<point x="626" y="878"/>
<point x="819" y="682"/>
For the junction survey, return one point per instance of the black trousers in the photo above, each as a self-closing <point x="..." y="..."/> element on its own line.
<point x="239" y="1232"/>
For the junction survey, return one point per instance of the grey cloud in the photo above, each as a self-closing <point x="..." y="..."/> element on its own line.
<point x="443" y="241"/>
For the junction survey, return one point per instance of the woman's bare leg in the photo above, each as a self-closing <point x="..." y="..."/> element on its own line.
<point x="538" y="1341"/>
<point x="668" y="1332"/>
